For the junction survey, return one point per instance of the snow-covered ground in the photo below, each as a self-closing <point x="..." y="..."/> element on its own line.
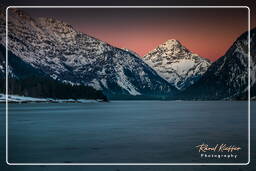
<point x="24" y="99"/>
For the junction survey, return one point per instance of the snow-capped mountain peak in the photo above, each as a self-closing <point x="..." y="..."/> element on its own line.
<point x="170" y="43"/>
<point x="176" y="64"/>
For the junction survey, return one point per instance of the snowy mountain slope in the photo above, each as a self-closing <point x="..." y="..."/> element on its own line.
<point x="252" y="68"/>
<point x="253" y="57"/>
<point x="227" y="78"/>
<point x="2" y="65"/>
<point x="17" y="68"/>
<point x="2" y="54"/>
<point x="69" y="56"/>
<point x="177" y="64"/>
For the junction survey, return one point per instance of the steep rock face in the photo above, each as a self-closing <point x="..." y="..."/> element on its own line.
<point x="2" y="37"/>
<point x="176" y="64"/>
<point x="69" y="56"/>
<point x="227" y="78"/>
<point x="2" y="65"/>
<point x="252" y="68"/>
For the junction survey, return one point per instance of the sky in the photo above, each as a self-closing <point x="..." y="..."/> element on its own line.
<point x="207" y="32"/>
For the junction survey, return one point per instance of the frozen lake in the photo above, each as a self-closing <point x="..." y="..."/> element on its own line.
<point x="124" y="131"/>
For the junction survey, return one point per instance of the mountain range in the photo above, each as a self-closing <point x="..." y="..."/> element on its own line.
<point x="68" y="56"/>
<point x="50" y="53"/>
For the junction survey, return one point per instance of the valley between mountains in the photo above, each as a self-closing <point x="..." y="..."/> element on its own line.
<point x="48" y="58"/>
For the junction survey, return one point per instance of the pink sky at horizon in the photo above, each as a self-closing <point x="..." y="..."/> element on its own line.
<point x="204" y="49"/>
<point x="206" y="32"/>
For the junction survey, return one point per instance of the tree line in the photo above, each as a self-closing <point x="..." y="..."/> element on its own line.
<point x="43" y="87"/>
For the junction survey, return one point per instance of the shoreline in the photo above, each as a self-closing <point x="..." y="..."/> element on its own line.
<point x="16" y="99"/>
<point x="25" y="99"/>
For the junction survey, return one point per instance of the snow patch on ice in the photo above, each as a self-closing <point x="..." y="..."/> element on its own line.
<point x="26" y="99"/>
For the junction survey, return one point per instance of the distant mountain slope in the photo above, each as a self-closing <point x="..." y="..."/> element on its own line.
<point x="227" y="78"/>
<point x="68" y="56"/>
<point x="29" y="81"/>
<point x="177" y="64"/>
